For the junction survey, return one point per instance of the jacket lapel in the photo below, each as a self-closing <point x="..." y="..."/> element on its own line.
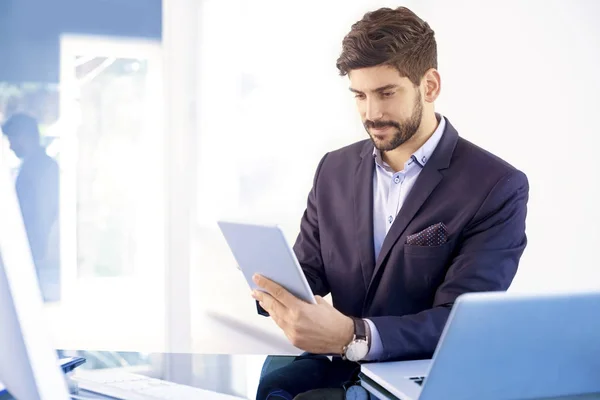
<point x="427" y="181"/>
<point x="363" y="212"/>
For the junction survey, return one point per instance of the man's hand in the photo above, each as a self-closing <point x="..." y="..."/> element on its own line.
<point x="315" y="328"/>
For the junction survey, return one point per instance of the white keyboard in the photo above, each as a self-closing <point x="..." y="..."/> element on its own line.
<point x="130" y="386"/>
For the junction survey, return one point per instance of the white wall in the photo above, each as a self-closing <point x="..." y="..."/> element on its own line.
<point x="520" y="78"/>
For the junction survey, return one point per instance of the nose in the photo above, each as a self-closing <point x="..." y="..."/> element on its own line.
<point x="374" y="111"/>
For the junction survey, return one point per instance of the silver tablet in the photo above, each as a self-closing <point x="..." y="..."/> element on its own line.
<point x="263" y="249"/>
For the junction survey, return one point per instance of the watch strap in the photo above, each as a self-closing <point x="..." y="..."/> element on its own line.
<point x="360" y="329"/>
<point x="368" y="333"/>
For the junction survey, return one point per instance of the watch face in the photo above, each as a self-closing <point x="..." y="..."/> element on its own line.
<point x="357" y="350"/>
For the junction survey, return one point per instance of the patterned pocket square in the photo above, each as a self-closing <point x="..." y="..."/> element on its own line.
<point x="435" y="235"/>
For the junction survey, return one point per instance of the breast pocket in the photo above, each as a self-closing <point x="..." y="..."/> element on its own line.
<point x="425" y="267"/>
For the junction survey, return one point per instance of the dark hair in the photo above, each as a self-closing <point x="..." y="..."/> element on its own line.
<point x="395" y="37"/>
<point x="21" y="124"/>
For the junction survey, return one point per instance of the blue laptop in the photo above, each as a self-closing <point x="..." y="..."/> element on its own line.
<point x="499" y="346"/>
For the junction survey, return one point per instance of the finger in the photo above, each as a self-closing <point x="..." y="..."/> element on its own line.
<point x="263" y="298"/>
<point x="275" y="290"/>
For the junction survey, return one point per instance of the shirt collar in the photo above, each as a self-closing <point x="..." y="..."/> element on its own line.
<point x="423" y="153"/>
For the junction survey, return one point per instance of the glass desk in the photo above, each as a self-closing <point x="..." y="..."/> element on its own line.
<point x="235" y="375"/>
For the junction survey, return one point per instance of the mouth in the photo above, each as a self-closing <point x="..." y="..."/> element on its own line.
<point x="378" y="128"/>
<point x="380" y="132"/>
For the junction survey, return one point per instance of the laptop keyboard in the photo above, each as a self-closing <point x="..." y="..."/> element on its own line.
<point x="124" y="385"/>
<point x="418" y="380"/>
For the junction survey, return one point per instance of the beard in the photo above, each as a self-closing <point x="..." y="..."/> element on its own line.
<point x="403" y="131"/>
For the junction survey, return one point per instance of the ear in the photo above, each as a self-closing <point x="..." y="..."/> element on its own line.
<point x="432" y="85"/>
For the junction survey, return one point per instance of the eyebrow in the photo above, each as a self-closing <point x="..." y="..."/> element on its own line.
<point x="379" y="89"/>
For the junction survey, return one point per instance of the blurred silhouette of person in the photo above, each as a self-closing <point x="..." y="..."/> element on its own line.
<point x="37" y="187"/>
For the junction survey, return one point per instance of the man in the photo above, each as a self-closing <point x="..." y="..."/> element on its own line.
<point x="396" y="226"/>
<point x="37" y="190"/>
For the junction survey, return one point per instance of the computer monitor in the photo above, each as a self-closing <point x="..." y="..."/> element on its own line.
<point x="29" y="366"/>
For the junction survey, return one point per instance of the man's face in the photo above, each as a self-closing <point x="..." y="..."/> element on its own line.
<point x="18" y="145"/>
<point x="390" y="105"/>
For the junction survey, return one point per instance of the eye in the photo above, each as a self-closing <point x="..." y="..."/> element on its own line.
<point x="359" y="96"/>
<point x="388" y="94"/>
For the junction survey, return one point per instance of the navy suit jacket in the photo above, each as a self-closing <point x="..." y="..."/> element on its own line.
<point x="408" y="290"/>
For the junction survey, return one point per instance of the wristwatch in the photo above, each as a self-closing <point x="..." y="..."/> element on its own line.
<point x="359" y="347"/>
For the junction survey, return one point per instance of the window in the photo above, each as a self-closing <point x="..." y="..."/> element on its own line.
<point x="112" y="187"/>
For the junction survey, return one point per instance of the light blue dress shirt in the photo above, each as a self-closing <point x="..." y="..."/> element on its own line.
<point x="390" y="190"/>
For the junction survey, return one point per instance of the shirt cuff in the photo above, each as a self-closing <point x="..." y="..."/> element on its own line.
<point x="376" y="349"/>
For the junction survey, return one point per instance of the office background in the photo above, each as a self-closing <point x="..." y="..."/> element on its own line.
<point x="165" y="116"/>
